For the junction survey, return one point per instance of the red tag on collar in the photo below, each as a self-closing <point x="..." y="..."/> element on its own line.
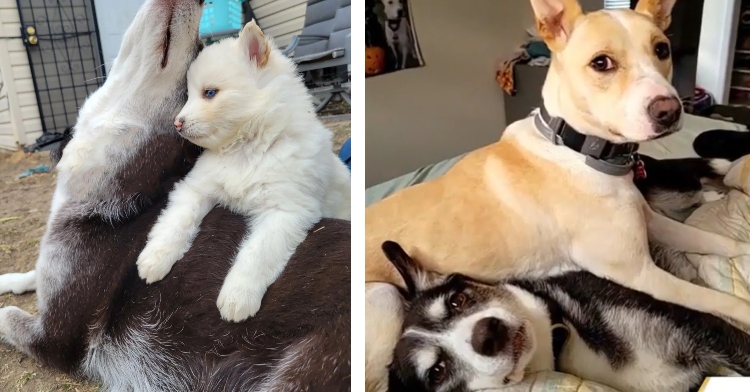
<point x="640" y="169"/>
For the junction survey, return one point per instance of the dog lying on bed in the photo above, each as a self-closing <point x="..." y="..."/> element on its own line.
<point x="557" y="190"/>
<point x="99" y="320"/>
<point x="464" y="335"/>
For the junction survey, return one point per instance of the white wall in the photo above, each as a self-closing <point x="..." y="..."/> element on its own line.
<point x="716" y="48"/>
<point x="19" y="113"/>
<point x="114" y="17"/>
<point x="453" y="104"/>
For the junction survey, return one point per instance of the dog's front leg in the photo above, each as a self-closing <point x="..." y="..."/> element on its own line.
<point x="383" y="321"/>
<point x="176" y="228"/>
<point x="18" y="283"/>
<point x="273" y="237"/>
<point x="404" y="55"/>
<point x="623" y="257"/>
<point x="395" y="51"/>
<point x="686" y="238"/>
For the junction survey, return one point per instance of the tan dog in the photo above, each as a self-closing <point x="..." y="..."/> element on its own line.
<point x="525" y="206"/>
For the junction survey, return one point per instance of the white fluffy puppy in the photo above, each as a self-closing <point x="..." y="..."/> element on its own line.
<point x="267" y="157"/>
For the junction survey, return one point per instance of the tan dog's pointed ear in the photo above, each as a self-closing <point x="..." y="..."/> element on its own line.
<point x="254" y="43"/>
<point x="555" y="20"/>
<point x="659" y="10"/>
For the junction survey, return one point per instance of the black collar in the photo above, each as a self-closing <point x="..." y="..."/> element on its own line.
<point x="602" y="155"/>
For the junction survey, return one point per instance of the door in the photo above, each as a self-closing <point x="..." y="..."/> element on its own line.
<point x="64" y="49"/>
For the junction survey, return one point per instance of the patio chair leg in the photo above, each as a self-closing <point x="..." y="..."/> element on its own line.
<point x="346" y="97"/>
<point x="324" y="102"/>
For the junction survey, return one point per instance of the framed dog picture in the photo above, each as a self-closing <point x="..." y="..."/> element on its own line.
<point x="390" y="40"/>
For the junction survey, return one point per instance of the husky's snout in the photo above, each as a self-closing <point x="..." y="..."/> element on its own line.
<point x="489" y="336"/>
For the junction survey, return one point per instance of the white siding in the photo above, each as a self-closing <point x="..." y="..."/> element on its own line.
<point x="19" y="114"/>
<point x="611" y="4"/>
<point x="280" y="19"/>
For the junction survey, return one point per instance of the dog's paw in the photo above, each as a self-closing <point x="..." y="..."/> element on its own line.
<point x="17" y="283"/>
<point x="239" y="299"/>
<point x="151" y="267"/>
<point x="514" y="378"/>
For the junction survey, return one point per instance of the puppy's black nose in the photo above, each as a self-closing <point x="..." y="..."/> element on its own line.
<point x="664" y="112"/>
<point x="400" y="13"/>
<point x="489" y="337"/>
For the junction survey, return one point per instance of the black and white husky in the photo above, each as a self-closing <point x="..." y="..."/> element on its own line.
<point x="97" y="319"/>
<point x="460" y="334"/>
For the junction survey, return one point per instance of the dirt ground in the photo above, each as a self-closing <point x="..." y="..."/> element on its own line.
<point x="24" y="206"/>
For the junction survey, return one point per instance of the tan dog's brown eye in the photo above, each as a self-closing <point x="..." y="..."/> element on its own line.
<point x="458" y="301"/>
<point x="662" y="50"/>
<point x="602" y="64"/>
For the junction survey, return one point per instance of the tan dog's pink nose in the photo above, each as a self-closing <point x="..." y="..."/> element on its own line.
<point x="178" y="124"/>
<point x="664" y="112"/>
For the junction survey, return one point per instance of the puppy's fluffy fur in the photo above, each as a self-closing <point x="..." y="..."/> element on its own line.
<point x="267" y="157"/>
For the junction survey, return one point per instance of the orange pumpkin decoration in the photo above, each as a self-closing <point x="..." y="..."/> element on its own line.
<point x="374" y="60"/>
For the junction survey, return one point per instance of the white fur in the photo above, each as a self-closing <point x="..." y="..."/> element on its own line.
<point x="268" y="157"/>
<point x="18" y="283"/>
<point x="720" y="166"/>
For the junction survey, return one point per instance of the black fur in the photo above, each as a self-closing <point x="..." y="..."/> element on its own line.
<point x="675" y="175"/>
<point x="712" y="341"/>
<point x="720" y="143"/>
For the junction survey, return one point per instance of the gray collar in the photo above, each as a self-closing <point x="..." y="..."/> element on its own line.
<point x="601" y="154"/>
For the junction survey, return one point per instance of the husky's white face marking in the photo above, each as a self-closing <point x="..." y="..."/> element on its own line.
<point x="425" y="358"/>
<point x="437" y="309"/>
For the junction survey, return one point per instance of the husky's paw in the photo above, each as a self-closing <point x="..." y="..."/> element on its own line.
<point x="153" y="267"/>
<point x="18" y="283"/>
<point x="239" y="299"/>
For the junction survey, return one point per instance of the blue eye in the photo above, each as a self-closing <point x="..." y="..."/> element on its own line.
<point x="209" y="93"/>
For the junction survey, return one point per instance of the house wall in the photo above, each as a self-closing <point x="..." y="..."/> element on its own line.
<point x="19" y="113"/>
<point x="280" y="19"/>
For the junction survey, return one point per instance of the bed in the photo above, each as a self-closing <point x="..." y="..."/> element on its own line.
<point x="729" y="216"/>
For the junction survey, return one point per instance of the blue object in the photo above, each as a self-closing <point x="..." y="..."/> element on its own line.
<point x="537" y="49"/>
<point x="345" y="154"/>
<point x="38" y="169"/>
<point x="221" y="17"/>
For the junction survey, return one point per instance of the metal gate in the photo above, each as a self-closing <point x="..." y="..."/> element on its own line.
<point x="65" y="55"/>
